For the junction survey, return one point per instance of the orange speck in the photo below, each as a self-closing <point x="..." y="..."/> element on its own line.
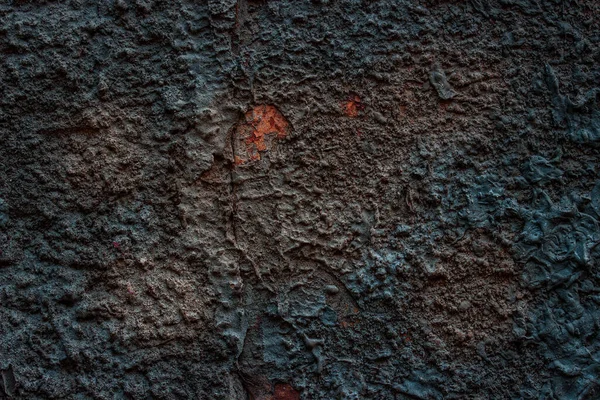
<point x="261" y="125"/>
<point x="347" y="324"/>
<point x="352" y="106"/>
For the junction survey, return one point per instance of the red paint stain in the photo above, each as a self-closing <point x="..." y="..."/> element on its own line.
<point x="261" y="126"/>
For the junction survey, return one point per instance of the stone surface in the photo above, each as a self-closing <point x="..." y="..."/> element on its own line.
<point x="323" y="199"/>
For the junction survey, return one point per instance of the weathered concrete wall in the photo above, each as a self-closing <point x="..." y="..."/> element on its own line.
<point x="320" y="199"/>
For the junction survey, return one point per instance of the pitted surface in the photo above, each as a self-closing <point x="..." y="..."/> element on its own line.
<point x="299" y="199"/>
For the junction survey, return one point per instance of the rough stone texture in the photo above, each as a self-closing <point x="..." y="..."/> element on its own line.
<point x="294" y="199"/>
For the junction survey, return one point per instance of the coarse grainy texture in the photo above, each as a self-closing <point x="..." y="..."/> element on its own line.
<point x="299" y="199"/>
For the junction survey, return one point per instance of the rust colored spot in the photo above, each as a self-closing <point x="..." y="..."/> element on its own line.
<point x="350" y="309"/>
<point x="347" y="324"/>
<point x="352" y="106"/>
<point x="261" y="126"/>
<point x="444" y="104"/>
<point x="261" y="146"/>
<point x="284" y="391"/>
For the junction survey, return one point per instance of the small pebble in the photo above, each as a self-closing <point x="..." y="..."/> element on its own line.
<point x="331" y="289"/>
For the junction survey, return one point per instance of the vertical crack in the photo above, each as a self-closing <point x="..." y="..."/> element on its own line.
<point x="233" y="189"/>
